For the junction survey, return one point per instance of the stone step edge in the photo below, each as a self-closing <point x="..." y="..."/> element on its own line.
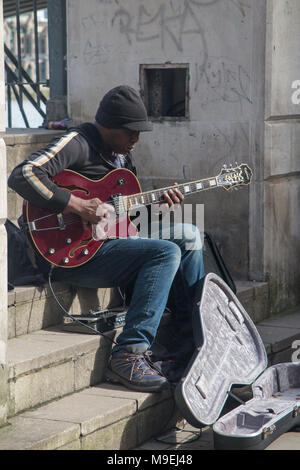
<point x="281" y="336"/>
<point x="103" y="417"/>
<point x="28" y="293"/>
<point x="45" y="348"/>
<point x="34" y="308"/>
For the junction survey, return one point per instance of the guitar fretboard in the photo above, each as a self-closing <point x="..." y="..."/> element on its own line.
<point x="157" y="195"/>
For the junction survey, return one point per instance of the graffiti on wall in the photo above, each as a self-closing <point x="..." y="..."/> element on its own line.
<point x="178" y="24"/>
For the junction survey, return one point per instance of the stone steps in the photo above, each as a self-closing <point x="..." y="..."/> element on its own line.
<point x="48" y="364"/>
<point x="101" y="416"/>
<point x="31" y="308"/>
<point x="45" y="362"/>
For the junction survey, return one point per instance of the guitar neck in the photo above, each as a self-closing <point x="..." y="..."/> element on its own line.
<point x="155" y="196"/>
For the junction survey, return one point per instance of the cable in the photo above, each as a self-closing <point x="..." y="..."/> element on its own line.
<point x="177" y="430"/>
<point x="96" y="332"/>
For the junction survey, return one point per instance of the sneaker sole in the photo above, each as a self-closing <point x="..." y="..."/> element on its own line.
<point x="112" y="377"/>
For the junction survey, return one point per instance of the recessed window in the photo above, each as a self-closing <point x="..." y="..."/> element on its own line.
<point x="165" y="90"/>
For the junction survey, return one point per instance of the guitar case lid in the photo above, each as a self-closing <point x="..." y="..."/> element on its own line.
<point x="232" y="353"/>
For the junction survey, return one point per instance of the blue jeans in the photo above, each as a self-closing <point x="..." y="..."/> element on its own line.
<point x="158" y="267"/>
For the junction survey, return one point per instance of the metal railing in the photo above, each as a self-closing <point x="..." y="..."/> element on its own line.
<point x="20" y="86"/>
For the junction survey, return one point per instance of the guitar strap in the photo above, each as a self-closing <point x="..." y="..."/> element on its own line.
<point x="91" y="135"/>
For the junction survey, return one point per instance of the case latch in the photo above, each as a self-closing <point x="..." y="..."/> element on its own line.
<point x="268" y="431"/>
<point x="296" y="411"/>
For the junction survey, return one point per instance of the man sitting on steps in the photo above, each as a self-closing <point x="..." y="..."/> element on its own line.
<point x="159" y="268"/>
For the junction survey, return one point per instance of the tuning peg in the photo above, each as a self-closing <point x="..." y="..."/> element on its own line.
<point x="224" y="166"/>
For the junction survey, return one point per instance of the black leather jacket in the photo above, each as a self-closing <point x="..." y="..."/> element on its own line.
<point x="81" y="149"/>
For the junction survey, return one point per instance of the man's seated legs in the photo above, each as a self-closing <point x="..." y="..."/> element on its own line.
<point x="153" y="265"/>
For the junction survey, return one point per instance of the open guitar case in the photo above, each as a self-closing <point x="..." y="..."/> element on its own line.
<point x="230" y="352"/>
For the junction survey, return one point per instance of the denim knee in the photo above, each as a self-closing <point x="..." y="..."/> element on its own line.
<point x="191" y="237"/>
<point x="171" y="251"/>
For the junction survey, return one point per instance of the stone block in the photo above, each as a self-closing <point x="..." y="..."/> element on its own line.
<point x="74" y="445"/>
<point x="282" y="148"/>
<point x="279" y="338"/>
<point x="281" y="356"/>
<point x="288" y="441"/>
<point x="282" y="243"/>
<point x="149" y="425"/>
<point x="41" y="386"/>
<point x="119" y="436"/>
<point x="56" y="109"/>
<point x="46" y="348"/>
<point x="86" y="410"/>
<point x="254" y="296"/>
<point x="143" y="400"/>
<point x="282" y="57"/>
<point x="33" y="308"/>
<point x="48" y="364"/>
<point x="35" y="434"/>
<point x="86" y="299"/>
<point x="36" y="315"/>
<point x="11" y="321"/>
<point x="90" y="368"/>
<point x="288" y="320"/>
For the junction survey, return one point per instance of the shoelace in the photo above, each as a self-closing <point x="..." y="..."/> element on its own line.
<point x="143" y="360"/>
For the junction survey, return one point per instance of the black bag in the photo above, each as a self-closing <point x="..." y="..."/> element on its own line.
<point x="20" y="269"/>
<point x="214" y="262"/>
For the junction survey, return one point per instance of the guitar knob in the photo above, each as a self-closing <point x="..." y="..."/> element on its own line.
<point x="85" y="252"/>
<point x="51" y="251"/>
<point x="65" y="260"/>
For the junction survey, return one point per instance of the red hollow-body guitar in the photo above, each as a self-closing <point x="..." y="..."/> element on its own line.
<point x="66" y="240"/>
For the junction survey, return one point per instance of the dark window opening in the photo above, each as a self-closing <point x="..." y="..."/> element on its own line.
<point x="165" y="90"/>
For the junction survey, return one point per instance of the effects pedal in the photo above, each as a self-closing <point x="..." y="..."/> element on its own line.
<point x="99" y="321"/>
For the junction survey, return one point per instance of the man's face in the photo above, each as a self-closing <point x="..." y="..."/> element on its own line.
<point x="123" y="140"/>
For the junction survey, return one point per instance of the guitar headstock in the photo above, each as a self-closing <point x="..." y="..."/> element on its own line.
<point x="232" y="177"/>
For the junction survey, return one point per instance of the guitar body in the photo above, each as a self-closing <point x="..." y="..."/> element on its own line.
<point x="64" y="239"/>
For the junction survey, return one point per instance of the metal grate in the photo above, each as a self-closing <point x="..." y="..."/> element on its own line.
<point x="20" y="85"/>
<point x="10" y="9"/>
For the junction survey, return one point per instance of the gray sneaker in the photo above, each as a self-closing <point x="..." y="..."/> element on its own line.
<point x="134" y="370"/>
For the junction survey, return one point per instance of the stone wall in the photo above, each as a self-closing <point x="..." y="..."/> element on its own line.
<point x="223" y="44"/>
<point x="3" y="244"/>
<point x="282" y="155"/>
